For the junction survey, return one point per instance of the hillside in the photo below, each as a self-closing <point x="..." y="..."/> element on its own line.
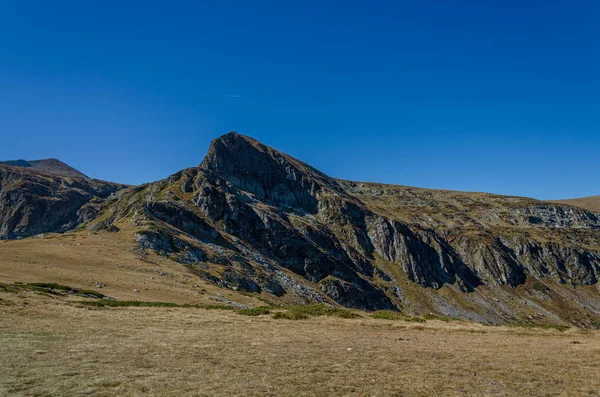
<point x="34" y="202"/>
<point x="250" y="218"/>
<point x="589" y="203"/>
<point x="252" y="221"/>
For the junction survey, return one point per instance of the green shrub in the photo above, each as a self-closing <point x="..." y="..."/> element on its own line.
<point x="7" y="288"/>
<point x="304" y="312"/>
<point x="415" y="320"/>
<point x="392" y="315"/>
<point x="558" y="327"/>
<point x="388" y="315"/>
<point x="290" y="316"/>
<point x="255" y="311"/>
<point x="441" y="317"/>
<point x="58" y="289"/>
<point x="217" y="307"/>
<point x="539" y="287"/>
<point x="111" y="303"/>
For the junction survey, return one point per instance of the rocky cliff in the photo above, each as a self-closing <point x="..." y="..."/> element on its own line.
<point x="34" y="202"/>
<point x="255" y="219"/>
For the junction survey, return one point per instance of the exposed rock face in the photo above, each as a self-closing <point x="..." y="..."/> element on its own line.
<point x="272" y="223"/>
<point x="33" y="202"/>
<point x="269" y="175"/>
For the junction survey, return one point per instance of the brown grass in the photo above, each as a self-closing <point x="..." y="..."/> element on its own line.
<point x="82" y="259"/>
<point x="51" y="347"/>
<point x="588" y="203"/>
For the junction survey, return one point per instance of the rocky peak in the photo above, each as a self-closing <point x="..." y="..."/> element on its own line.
<point x="248" y="165"/>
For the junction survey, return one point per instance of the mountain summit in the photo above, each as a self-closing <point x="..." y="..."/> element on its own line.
<point x="264" y="172"/>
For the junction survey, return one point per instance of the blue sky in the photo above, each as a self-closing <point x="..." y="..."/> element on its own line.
<point x="498" y="96"/>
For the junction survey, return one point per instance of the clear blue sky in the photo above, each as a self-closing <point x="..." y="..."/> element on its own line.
<point x="498" y="96"/>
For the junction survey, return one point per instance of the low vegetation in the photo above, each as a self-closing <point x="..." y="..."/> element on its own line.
<point x="441" y="317"/>
<point x="112" y="303"/>
<point x="392" y="315"/>
<point x="52" y="289"/>
<point x="255" y="311"/>
<point x="305" y="312"/>
<point x="524" y="324"/>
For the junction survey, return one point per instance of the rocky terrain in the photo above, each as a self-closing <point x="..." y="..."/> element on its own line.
<point x="255" y="220"/>
<point x="34" y="202"/>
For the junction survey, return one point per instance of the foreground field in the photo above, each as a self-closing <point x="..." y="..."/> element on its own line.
<point x="50" y="347"/>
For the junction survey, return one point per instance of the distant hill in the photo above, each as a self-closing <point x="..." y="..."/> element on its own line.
<point x="36" y="198"/>
<point x="52" y="166"/>
<point x="589" y="203"/>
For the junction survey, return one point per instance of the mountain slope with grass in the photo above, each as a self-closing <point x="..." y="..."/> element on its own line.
<point x="591" y="203"/>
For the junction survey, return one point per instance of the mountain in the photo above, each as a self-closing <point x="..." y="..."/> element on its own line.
<point x="34" y="201"/>
<point x="589" y="203"/>
<point x="52" y="166"/>
<point x="254" y="219"/>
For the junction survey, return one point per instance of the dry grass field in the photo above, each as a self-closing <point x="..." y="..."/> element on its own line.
<point x="52" y="347"/>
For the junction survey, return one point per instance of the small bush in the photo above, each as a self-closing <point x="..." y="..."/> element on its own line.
<point x="255" y="311"/>
<point x="109" y="303"/>
<point x="304" y="312"/>
<point x="113" y="303"/>
<point x="7" y="288"/>
<point x="58" y="289"/>
<point x="539" y="287"/>
<point x="217" y="307"/>
<point x="392" y="315"/>
<point x="388" y="315"/>
<point x="558" y="327"/>
<point x="441" y="317"/>
<point x="90" y="293"/>
<point x="290" y="316"/>
<point x="415" y="320"/>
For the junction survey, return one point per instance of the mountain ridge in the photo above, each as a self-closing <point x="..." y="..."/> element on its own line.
<point x="300" y="235"/>
<point x="50" y="165"/>
<point x="250" y="218"/>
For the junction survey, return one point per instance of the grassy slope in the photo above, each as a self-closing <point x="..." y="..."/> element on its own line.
<point x="80" y="259"/>
<point x="589" y="203"/>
